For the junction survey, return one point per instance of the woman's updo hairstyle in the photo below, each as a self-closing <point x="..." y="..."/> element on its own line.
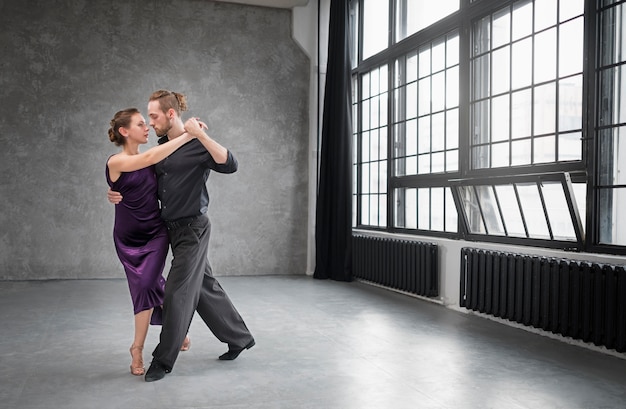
<point x="170" y="100"/>
<point x="121" y="119"/>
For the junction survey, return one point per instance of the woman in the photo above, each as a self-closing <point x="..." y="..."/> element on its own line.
<point x="139" y="234"/>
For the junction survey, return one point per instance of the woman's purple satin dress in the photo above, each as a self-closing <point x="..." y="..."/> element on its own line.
<point x="140" y="238"/>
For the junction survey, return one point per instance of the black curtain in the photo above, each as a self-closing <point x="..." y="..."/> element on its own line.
<point x="333" y="227"/>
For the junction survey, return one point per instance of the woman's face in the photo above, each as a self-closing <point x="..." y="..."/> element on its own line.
<point x="138" y="129"/>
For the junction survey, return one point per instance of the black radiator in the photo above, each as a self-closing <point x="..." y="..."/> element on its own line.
<point x="405" y="265"/>
<point x="576" y="299"/>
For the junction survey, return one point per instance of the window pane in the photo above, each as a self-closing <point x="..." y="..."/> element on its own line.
<point x="612" y="223"/>
<point x="510" y="211"/>
<point x="520" y="114"/>
<point x="500" y="155"/>
<point x="452" y="87"/>
<point x="452" y="129"/>
<point x="424" y="96"/>
<point x="612" y="87"/>
<point x="522" y="19"/>
<point x="570" y="147"/>
<point x="612" y="45"/>
<point x="437" y="207"/>
<point x="423" y="209"/>
<point x="438" y="132"/>
<point x="490" y="210"/>
<point x="544" y="150"/>
<point x="558" y="212"/>
<point x="481" y="122"/>
<point x="438" y="99"/>
<point x="571" y="36"/>
<point x="415" y="15"/>
<point x="545" y="56"/>
<point x="375" y="26"/>
<point x="481" y="77"/>
<point x="482" y="36"/>
<point x="500" y="118"/>
<point x="545" y="14"/>
<point x="470" y="207"/>
<point x="570" y="8"/>
<point x="501" y="70"/>
<point x="520" y="152"/>
<point x="545" y="109"/>
<point x="571" y="103"/>
<point x="533" y="211"/>
<point x="612" y="156"/>
<point x="522" y="64"/>
<point x="451" y="214"/>
<point x="501" y="27"/>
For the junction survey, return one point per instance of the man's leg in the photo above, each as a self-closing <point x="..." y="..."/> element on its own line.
<point x="218" y="312"/>
<point x="182" y="289"/>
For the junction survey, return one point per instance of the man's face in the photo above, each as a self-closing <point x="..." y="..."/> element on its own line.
<point x="158" y="120"/>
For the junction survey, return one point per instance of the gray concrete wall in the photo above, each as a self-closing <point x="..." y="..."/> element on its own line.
<point x="67" y="66"/>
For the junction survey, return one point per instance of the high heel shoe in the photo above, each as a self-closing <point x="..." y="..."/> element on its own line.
<point x="136" y="366"/>
<point x="186" y="344"/>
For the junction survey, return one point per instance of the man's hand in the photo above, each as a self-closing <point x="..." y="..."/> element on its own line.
<point x="195" y="127"/>
<point x="114" y="197"/>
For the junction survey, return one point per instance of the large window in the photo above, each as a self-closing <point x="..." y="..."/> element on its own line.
<point x="494" y="120"/>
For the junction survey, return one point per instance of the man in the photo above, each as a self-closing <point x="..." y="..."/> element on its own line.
<point x="184" y="200"/>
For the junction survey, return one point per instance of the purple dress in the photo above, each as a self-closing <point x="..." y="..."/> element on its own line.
<point x="140" y="238"/>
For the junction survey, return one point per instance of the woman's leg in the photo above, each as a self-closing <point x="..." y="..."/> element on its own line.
<point x="142" y="322"/>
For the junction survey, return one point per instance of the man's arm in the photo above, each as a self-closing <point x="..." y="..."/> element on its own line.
<point x="217" y="151"/>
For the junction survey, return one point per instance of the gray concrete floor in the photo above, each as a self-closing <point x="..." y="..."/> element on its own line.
<point x="320" y="344"/>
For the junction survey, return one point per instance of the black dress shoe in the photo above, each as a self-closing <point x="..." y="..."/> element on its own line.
<point x="156" y="371"/>
<point x="234" y="353"/>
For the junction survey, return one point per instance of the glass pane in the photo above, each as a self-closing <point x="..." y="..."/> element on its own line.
<point x="522" y="19"/>
<point x="423" y="135"/>
<point x="545" y="109"/>
<point x="510" y="211"/>
<point x="452" y="87"/>
<point x="570" y="146"/>
<point x="490" y="210"/>
<point x="612" y="223"/>
<point x="411" y="67"/>
<point x="411" y="100"/>
<point x="424" y="62"/>
<point x="365" y="115"/>
<point x="374" y="145"/>
<point x="522" y="58"/>
<point x="374" y="214"/>
<point x="438" y="130"/>
<point x="571" y="103"/>
<point x="452" y="129"/>
<point x="450" y="215"/>
<point x="382" y="147"/>
<point x="375" y="26"/>
<point x="481" y="123"/>
<point x="571" y="8"/>
<point x="424" y="96"/>
<point x="533" y="211"/>
<point x="480" y="157"/>
<point x="544" y="149"/>
<point x="612" y="87"/>
<point x="501" y="71"/>
<point x="437" y="209"/>
<point x="365" y="178"/>
<point x="500" y="118"/>
<point x="481" y="36"/>
<point x="545" y="14"/>
<point x="500" y="155"/>
<point x="423" y="164"/>
<point x="558" y="212"/>
<point x="365" y="210"/>
<point x="375" y="112"/>
<point x="382" y="210"/>
<point x="415" y="15"/>
<point x="374" y="178"/>
<point x="481" y="77"/>
<point x="411" y="137"/>
<point x="411" y="165"/>
<point x="383" y="78"/>
<point x="438" y="55"/>
<point x="438" y="99"/>
<point x="545" y="56"/>
<point x="520" y="152"/>
<point x="375" y="82"/>
<point x="423" y="209"/>
<point x="365" y="146"/>
<point x="470" y="207"/>
<point x="452" y="160"/>
<point x="437" y="162"/>
<point x="612" y="46"/>
<point x="452" y="50"/>
<point x="383" y="106"/>
<point x="612" y="154"/>
<point x="571" y="36"/>
<point x="365" y="84"/>
<point x="520" y="114"/>
<point x="501" y="27"/>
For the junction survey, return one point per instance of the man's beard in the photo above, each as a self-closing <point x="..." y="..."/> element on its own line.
<point x="161" y="132"/>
